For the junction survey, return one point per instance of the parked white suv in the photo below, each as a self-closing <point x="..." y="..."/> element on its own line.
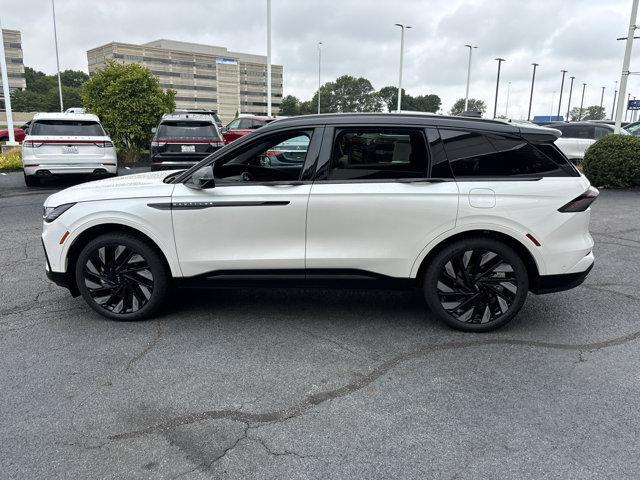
<point x="67" y="143"/>
<point x="474" y="212"/>
<point x="577" y="137"/>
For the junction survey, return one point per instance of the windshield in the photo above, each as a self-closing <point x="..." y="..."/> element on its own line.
<point x="190" y="129"/>
<point x="77" y="128"/>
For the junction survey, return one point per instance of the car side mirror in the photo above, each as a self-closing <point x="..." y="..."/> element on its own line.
<point x="223" y="130"/>
<point x="154" y="130"/>
<point x="202" y="179"/>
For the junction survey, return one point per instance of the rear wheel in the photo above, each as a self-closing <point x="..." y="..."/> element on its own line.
<point x="476" y="284"/>
<point x="31" y="181"/>
<point x="121" y="277"/>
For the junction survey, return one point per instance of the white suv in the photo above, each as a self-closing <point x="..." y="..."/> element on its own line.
<point x="474" y="212"/>
<point x="67" y="143"/>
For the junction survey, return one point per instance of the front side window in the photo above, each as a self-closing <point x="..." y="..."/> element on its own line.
<point x="234" y="124"/>
<point x="279" y="157"/>
<point x="475" y="154"/>
<point x="378" y="153"/>
<point x="187" y="130"/>
<point x="245" y="123"/>
<point x="76" y="128"/>
<point x="602" y="132"/>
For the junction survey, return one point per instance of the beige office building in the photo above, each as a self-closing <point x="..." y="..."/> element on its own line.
<point x="203" y="76"/>
<point x="15" y="66"/>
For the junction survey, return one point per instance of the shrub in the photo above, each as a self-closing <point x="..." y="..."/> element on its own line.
<point x="11" y="160"/>
<point x="613" y="161"/>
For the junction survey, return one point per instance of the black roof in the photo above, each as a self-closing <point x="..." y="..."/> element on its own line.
<point x="404" y="119"/>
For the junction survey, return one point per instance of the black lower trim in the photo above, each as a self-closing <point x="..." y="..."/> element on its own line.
<point x="296" y="278"/>
<point x="558" y="283"/>
<point x="203" y="205"/>
<point x="62" y="280"/>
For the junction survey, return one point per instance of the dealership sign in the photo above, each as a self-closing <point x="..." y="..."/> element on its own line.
<point x="227" y="60"/>
<point x="633" y="105"/>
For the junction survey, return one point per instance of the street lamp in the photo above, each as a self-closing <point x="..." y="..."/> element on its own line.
<point x="319" y="66"/>
<point x="5" y="91"/>
<point x="506" y="108"/>
<point x="564" y="72"/>
<point x="569" y="104"/>
<point x="602" y="98"/>
<point x="615" y="94"/>
<point x="625" y="64"/>
<point x="268" y="58"/>
<point x="402" y="29"/>
<point x="533" y="81"/>
<point x="466" y="95"/>
<point x="495" y="104"/>
<point x="584" y="85"/>
<point x="55" y="38"/>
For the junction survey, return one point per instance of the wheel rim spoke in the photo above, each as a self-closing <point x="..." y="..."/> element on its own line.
<point x="118" y="278"/>
<point x="477" y="286"/>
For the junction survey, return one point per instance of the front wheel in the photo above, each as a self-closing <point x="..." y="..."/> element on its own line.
<point x="31" y="181"/>
<point x="476" y="284"/>
<point x="122" y="277"/>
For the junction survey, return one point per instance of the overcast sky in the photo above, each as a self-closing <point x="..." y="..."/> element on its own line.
<point x="360" y="39"/>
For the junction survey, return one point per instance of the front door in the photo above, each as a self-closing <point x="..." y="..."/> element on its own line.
<point x="254" y="217"/>
<point x="377" y="202"/>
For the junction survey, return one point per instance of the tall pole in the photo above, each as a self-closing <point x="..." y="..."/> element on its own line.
<point x="564" y="72"/>
<point x="570" y="92"/>
<point x="533" y="81"/>
<point x="55" y="38"/>
<point x="495" y="103"/>
<point x="613" y="107"/>
<point x="5" y="90"/>
<point x="625" y="64"/>
<point x="584" y="85"/>
<point x="602" y="99"/>
<point x="402" y="29"/>
<point x="626" y="111"/>
<point x="466" y="95"/>
<point x="506" y="108"/>
<point x="553" y="101"/>
<point x="319" y="67"/>
<point x="268" y="58"/>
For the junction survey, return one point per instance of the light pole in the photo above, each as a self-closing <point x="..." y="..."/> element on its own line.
<point x="495" y="104"/>
<point x="5" y="90"/>
<point x="584" y="85"/>
<point x="626" y="112"/>
<point x="268" y="58"/>
<point x="55" y="38"/>
<point x="602" y="98"/>
<point x="402" y="29"/>
<point x="466" y="95"/>
<point x="613" y="107"/>
<point x="506" y="108"/>
<point x="553" y="101"/>
<point x="570" y="91"/>
<point x="625" y="64"/>
<point x="533" y="81"/>
<point x="564" y="72"/>
<point x="319" y="66"/>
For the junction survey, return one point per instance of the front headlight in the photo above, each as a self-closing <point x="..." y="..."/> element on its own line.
<point x="49" y="214"/>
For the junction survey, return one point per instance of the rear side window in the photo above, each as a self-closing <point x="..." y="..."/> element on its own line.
<point x="75" y="128"/>
<point x="186" y="130"/>
<point x="378" y="153"/>
<point x="602" y="132"/>
<point x="586" y="132"/>
<point x="475" y="154"/>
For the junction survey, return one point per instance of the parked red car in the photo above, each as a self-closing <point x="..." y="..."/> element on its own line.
<point x="18" y="133"/>
<point x="243" y="125"/>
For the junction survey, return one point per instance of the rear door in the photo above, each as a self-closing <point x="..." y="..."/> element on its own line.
<point x="68" y="142"/>
<point x="381" y="195"/>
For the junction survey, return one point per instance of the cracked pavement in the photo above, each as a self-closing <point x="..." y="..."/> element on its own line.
<point x="267" y="384"/>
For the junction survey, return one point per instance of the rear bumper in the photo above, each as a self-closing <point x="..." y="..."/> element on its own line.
<point x="558" y="283"/>
<point x="77" y="169"/>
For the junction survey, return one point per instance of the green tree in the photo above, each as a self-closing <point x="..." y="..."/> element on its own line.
<point x="421" y="103"/>
<point x="129" y="101"/>
<point x="73" y="78"/>
<point x="575" y="114"/>
<point x="425" y="103"/>
<point x="474" y="105"/>
<point x="347" y="94"/>
<point x="290" y="106"/>
<point x="594" y="112"/>
<point x="389" y="97"/>
<point x="41" y="94"/>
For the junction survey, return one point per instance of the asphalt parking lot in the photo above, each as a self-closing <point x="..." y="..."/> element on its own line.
<point x="281" y="384"/>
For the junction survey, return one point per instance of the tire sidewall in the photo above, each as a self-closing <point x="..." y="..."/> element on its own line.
<point x="441" y="258"/>
<point x="156" y="265"/>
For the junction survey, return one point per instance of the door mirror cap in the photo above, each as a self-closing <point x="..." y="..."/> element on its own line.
<point x="202" y="179"/>
<point x="223" y="130"/>
<point x="154" y="130"/>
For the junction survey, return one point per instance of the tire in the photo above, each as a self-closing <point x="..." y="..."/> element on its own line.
<point x="462" y="284"/>
<point x="122" y="277"/>
<point x="31" y="181"/>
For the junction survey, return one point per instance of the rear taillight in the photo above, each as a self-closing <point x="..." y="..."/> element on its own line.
<point x="581" y="203"/>
<point x="31" y="144"/>
<point x="158" y="144"/>
<point x="104" y="144"/>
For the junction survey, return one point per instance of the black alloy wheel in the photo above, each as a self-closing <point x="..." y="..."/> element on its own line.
<point x="121" y="277"/>
<point x="476" y="285"/>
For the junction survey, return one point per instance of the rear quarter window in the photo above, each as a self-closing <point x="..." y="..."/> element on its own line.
<point x="476" y="154"/>
<point x="187" y="130"/>
<point x="76" y="128"/>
